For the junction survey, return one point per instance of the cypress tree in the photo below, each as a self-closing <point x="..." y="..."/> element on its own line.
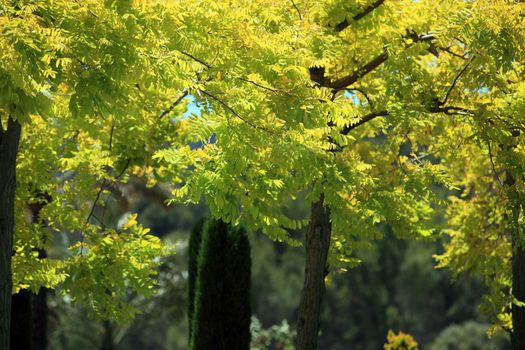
<point x="222" y="311"/>
<point x="236" y="299"/>
<point x="193" y="254"/>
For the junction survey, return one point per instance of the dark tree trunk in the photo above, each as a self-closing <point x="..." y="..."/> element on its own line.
<point x="28" y="310"/>
<point x="518" y="260"/>
<point x="518" y="271"/>
<point x="317" y="243"/>
<point x="9" y="140"/>
<point x="518" y="290"/>
<point x="39" y="334"/>
<point x="39" y="300"/>
<point x="107" y="337"/>
<point x="21" y="320"/>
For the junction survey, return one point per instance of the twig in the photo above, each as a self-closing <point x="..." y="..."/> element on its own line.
<point x="234" y="112"/>
<point x="99" y="221"/>
<point x="448" y="50"/>
<point x="493" y="165"/>
<point x="126" y="165"/>
<point x="297" y="9"/>
<point x="362" y="121"/>
<point x="456" y="80"/>
<point x="207" y="65"/>
<point x="96" y="200"/>
<point x="341" y="26"/>
<point x="111" y="136"/>
<point x="174" y="104"/>
<point x="259" y="85"/>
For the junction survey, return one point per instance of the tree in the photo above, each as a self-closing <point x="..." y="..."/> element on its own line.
<point x="483" y="155"/>
<point x="85" y="89"/>
<point x="222" y="310"/>
<point x="319" y="98"/>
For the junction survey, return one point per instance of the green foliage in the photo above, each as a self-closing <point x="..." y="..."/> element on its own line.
<point x="400" y="341"/>
<point x="278" y="336"/>
<point x="89" y="82"/>
<point x="470" y="335"/>
<point x="278" y="133"/>
<point x="222" y="310"/>
<point x="112" y="264"/>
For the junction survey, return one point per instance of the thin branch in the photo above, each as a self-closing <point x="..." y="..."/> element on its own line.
<point x="446" y="110"/>
<point x="448" y="50"/>
<point x="450" y="110"/>
<point x="344" y="24"/>
<point x="102" y="187"/>
<point x="345" y="130"/>
<point x="363" y="120"/>
<point x="174" y="104"/>
<point x="111" y="136"/>
<point x="207" y="65"/>
<point x="128" y="161"/>
<point x="455" y="81"/>
<point x="92" y="211"/>
<point x="317" y="73"/>
<point x="342" y="83"/>
<point x="258" y="85"/>
<point x="496" y="175"/>
<point x="297" y="9"/>
<point x="99" y="221"/>
<point x="225" y="105"/>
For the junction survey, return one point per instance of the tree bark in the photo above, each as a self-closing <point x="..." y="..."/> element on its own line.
<point x="317" y="243"/>
<point x="29" y="310"/>
<point x="21" y="320"/>
<point x="39" y="332"/>
<point x="9" y="141"/>
<point x="518" y="290"/>
<point x="518" y="271"/>
<point x="108" y="342"/>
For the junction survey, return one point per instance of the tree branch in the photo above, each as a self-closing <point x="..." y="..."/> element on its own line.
<point x="496" y="175"/>
<point x="450" y="110"/>
<point x="317" y="74"/>
<point x="344" y="24"/>
<point x="456" y="80"/>
<point x="207" y="65"/>
<point x="364" y="119"/>
<point x="297" y="9"/>
<point x="173" y="105"/>
<point x="448" y="50"/>
<point x="258" y="85"/>
<point x="111" y="136"/>
<point x="225" y="105"/>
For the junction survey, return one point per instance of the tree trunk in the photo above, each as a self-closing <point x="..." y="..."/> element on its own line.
<point x="518" y="290"/>
<point x="317" y="243"/>
<point x="39" y="301"/>
<point x="21" y="320"/>
<point x="517" y="336"/>
<point x="28" y="310"/>
<point x="518" y="271"/>
<point x="9" y="140"/>
<point x="108" y="342"/>
<point x="39" y="334"/>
